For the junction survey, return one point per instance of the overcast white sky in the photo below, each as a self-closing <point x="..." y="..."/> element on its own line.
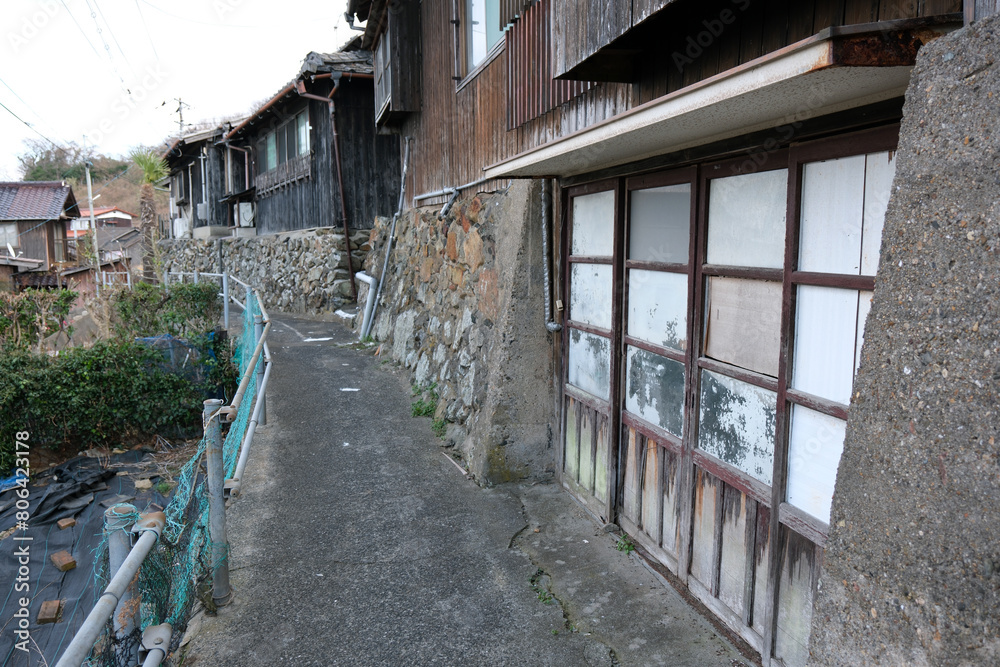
<point x="111" y="69"/>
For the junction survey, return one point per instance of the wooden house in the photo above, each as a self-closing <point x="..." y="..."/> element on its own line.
<point x="722" y="171"/>
<point x="310" y="157"/>
<point x="104" y="216"/>
<point x="34" y="216"/>
<point x="195" y="162"/>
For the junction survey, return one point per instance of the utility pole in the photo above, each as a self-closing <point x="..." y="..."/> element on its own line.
<point x="93" y="228"/>
<point x="180" y="113"/>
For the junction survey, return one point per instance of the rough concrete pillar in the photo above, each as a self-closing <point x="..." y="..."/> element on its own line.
<point x="513" y="431"/>
<point x="912" y="566"/>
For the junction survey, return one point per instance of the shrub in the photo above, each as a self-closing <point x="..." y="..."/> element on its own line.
<point x="112" y="392"/>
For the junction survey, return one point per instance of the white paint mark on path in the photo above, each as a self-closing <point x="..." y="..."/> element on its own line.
<point x="316" y="340"/>
<point x="350" y="389"/>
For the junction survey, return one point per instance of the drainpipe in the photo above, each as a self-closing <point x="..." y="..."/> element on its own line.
<point x="366" y="321"/>
<point x="452" y="194"/>
<point x="300" y="88"/>
<point x="550" y="325"/>
<point x="392" y="229"/>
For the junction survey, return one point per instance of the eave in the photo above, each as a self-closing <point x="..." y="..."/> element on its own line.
<point x="835" y="70"/>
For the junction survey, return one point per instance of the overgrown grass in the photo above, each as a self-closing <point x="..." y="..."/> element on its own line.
<point x="426" y="405"/>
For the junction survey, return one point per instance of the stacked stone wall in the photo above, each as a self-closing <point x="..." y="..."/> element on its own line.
<point x="303" y="272"/>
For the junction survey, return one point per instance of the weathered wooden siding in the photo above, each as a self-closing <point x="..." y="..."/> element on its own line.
<point x="695" y="43"/>
<point x="308" y="202"/>
<point x="36" y="241"/>
<point x="370" y="162"/>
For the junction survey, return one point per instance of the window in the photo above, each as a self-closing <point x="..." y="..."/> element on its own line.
<point x="397" y="64"/>
<point x="288" y="141"/>
<point x="482" y="30"/>
<point x="59" y="241"/>
<point x="8" y="236"/>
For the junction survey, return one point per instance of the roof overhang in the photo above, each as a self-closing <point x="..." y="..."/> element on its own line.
<point x="836" y="70"/>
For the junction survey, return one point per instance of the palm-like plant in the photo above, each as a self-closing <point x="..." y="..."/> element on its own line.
<point x="153" y="169"/>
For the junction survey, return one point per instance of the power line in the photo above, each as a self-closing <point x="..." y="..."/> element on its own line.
<point x="33" y="129"/>
<point x="124" y="171"/>
<point x="80" y="28"/>
<point x="146" y="28"/>
<point x="187" y="19"/>
<point x="112" y="32"/>
<point x="107" y="48"/>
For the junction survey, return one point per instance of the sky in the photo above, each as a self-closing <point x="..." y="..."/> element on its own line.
<point x="109" y="73"/>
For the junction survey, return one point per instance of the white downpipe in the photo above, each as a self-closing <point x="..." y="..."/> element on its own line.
<point x="366" y="321"/>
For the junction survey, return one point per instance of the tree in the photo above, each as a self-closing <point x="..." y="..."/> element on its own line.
<point x="152" y="169"/>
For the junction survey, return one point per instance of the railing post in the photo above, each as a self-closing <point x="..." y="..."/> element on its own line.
<point x="225" y="300"/>
<point x="118" y="521"/>
<point x="258" y="330"/>
<point x="196" y="276"/>
<point x="128" y="279"/>
<point x="166" y="278"/>
<point x="221" y="591"/>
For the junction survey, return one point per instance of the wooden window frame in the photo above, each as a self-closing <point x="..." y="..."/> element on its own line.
<point x="464" y="72"/>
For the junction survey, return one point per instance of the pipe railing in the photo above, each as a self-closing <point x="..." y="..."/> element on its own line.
<point x="156" y="639"/>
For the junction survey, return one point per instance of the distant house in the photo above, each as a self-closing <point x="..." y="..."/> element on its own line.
<point x="10" y="266"/>
<point x="196" y="176"/>
<point x="34" y="216"/>
<point x="107" y="216"/>
<point x="310" y="156"/>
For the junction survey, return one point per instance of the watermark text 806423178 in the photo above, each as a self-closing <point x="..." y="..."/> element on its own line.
<point x="22" y="542"/>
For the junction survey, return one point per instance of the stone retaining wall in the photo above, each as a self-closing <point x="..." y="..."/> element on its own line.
<point x="461" y="308"/>
<point x="296" y="272"/>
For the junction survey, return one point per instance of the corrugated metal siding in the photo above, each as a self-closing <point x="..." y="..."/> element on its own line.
<point x="532" y="90"/>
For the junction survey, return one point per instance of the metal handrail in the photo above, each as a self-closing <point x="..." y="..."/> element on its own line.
<point x="151" y="525"/>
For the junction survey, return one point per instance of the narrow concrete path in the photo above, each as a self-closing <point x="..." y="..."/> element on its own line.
<point x="356" y="541"/>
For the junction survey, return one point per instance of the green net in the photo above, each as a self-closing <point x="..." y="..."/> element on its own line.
<point x="178" y="571"/>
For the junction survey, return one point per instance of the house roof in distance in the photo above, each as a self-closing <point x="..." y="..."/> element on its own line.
<point x="104" y="210"/>
<point x="37" y="200"/>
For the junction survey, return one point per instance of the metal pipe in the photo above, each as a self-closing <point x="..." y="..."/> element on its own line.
<point x="392" y="229"/>
<point x="229" y="412"/>
<point x="117" y="520"/>
<point x="447" y="205"/>
<point x="550" y="325"/>
<point x="241" y="463"/>
<point x="225" y="301"/>
<point x="366" y="321"/>
<point x="155" y="642"/>
<point x="448" y="191"/>
<point x="258" y="330"/>
<point x="222" y="593"/>
<point x="83" y="642"/>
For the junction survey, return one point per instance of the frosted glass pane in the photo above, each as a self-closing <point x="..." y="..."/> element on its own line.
<point x="594" y="224"/>
<point x="825" y="330"/>
<point x="657" y="307"/>
<point x="736" y="424"/>
<point x="655" y="389"/>
<point x="743" y="325"/>
<point x="880" y="168"/>
<point x="833" y="202"/>
<point x="660" y="224"/>
<point x="590" y="363"/>
<point x="814" y="450"/>
<point x="590" y="294"/>
<point x="746" y="219"/>
<point x="864" y="307"/>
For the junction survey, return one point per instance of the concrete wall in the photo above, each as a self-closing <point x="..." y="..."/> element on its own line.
<point x="912" y="566"/>
<point x="462" y="308"/>
<point x="296" y="272"/>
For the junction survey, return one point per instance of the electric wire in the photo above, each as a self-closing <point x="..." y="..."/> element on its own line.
<point x="80" y="28"/>
<point x="113" y="37"/>
<point x="187" y="19"/>
<point x="146" y="28"/>
<point x="32" y="128"/>
<point x="107" y="49"/>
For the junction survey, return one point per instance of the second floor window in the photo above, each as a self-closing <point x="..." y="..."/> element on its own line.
<point x="482" y="30"/>
<point x="288" y="141"/>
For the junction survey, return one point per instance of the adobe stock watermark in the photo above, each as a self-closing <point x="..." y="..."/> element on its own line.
<point x="22" y="543"/>
<point x="223" y="8"/>
<point x="31" y="25"/>
<point x="128" y="103"/>
<point x="695" y="45"/>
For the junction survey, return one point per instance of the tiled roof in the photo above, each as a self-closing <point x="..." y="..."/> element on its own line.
<point x="357" y="62"/>
<point x="36" y="200"/>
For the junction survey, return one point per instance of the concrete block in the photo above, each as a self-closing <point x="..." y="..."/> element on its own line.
<point x="68" y="522"/>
